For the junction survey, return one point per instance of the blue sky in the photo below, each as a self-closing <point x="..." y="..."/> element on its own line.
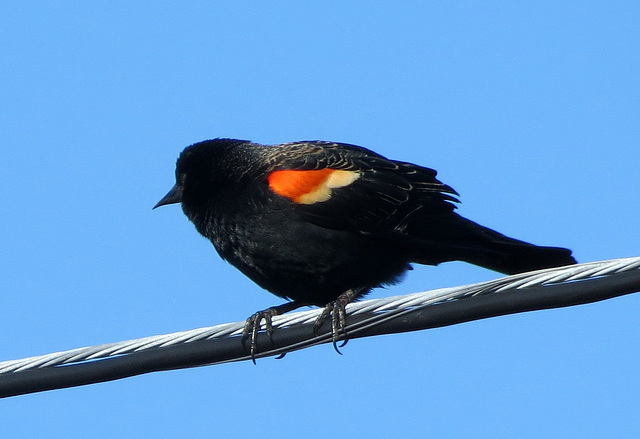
<point x="530" y="110"/>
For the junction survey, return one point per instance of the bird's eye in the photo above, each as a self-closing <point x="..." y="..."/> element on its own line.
<point x="181" y="178"/>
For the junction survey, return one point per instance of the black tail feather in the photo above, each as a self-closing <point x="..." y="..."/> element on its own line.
<point x="518" y="257"/>
<point x="464" y="240"/>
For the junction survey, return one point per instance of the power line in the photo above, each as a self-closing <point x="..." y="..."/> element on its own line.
<point x="543" y="289"/>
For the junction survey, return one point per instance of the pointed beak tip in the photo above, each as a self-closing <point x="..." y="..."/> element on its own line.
<point x="172" y="197"/>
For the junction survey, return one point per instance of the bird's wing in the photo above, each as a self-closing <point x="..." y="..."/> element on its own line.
<point x="348" y="187"/>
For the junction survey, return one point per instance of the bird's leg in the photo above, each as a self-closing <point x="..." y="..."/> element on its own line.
<point x="338" y="316"/>
<point x="253" y="323"/>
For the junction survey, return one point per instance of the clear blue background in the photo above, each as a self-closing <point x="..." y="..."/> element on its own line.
<point x="531" y="110"/>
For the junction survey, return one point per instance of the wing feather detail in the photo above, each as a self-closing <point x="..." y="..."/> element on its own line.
<point x="355" y="188"/>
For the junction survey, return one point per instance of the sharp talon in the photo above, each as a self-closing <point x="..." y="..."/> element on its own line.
<point x="336" y="347"/>
<point x="336" y="310"/>
<point x="281" y="356"/>
<point x="251" y="328"/>
<point x="253" y="324"/>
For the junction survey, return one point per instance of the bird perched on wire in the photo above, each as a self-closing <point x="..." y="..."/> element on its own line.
<point x="322" y="223"/>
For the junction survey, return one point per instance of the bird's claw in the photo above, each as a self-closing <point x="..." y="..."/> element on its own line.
<point x="252" y="326"/>
<point x="336" y="310"/>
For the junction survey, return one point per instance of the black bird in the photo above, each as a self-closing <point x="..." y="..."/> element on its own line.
<point x="322" y="223"/>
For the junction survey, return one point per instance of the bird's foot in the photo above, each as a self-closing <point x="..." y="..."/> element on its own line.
<point x="336" y="310"/>
<point x="253" y="324"/>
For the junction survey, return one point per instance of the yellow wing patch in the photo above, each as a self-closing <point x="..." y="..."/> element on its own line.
<point x="308" y="187"/>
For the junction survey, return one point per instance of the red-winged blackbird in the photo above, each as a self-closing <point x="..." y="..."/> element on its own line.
<point x="322" y="223"/>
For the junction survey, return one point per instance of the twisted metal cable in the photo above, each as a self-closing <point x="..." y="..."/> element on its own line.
<point x="542" y="289"/>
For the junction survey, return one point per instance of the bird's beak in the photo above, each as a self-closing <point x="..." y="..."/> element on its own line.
<point x="173" y="196"/>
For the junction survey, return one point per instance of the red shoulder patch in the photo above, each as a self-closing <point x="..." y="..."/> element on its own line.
<point x="308" y="187"/>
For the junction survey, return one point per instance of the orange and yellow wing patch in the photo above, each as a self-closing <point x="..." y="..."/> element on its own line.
<point x="308" y="187"/>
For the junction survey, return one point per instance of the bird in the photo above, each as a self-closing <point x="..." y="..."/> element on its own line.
<point x="322" y="223"/>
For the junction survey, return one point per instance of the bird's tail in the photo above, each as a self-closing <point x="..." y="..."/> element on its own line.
<point x="470" y="242"/>
<point x="511" y="256"/>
